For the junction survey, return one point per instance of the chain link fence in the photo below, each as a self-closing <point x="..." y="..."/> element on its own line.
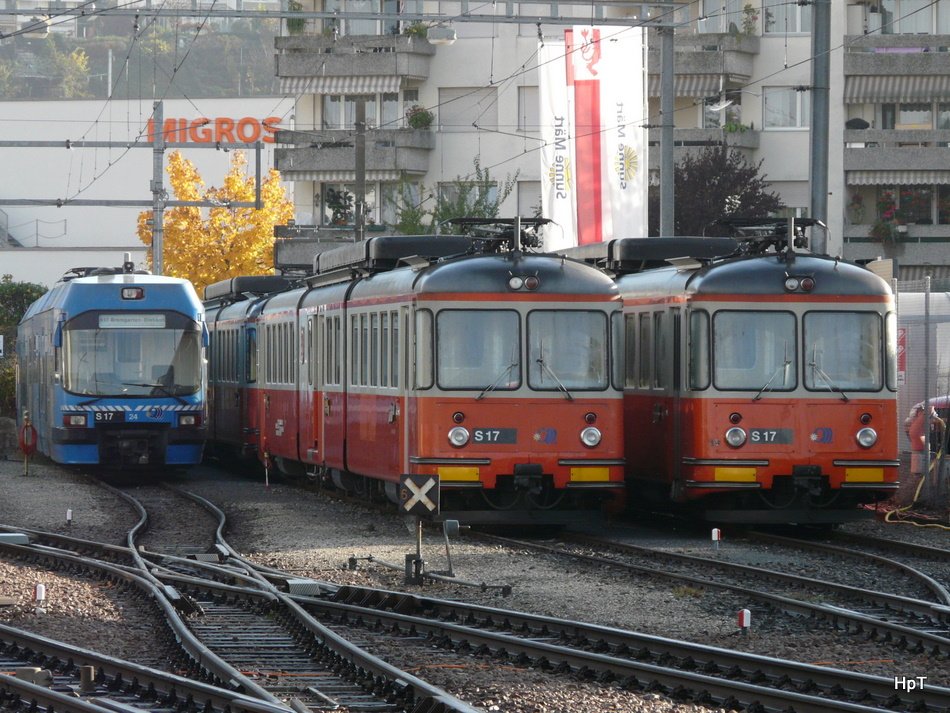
<point x="923" y="373"/>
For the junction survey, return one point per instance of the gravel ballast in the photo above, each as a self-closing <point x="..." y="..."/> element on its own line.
<point x="315" y="534"/>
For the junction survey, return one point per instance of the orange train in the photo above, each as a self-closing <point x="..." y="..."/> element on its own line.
<point x="760" y="380"/>
<point x="474" y="359"/>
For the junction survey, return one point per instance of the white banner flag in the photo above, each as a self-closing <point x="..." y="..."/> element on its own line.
<point x="602" y="108"/>
<point x="557" y="150"/>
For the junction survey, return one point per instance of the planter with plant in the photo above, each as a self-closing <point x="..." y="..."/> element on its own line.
<point x="418" y="117"/>
<point x="295" y="25"/>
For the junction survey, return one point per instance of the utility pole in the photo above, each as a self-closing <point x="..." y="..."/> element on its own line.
<point x="158" y="189"/>
<point x="667" y="205"/>
<point x="359" y="219"/>
<point x="820" y="107"/>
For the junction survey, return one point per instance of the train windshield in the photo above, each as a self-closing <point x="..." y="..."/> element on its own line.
<point x="478" y="349"/>
<point x="754" y="351"/>
<point x="843" y="351"/>
<point x="129" y="354"/>
<point x="567" y="350"/>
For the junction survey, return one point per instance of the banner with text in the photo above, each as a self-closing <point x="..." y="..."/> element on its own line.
<point x="592" y="93"/>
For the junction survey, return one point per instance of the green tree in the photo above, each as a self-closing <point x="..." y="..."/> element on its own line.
<point x="15" y="297"/>
<point x="714" y="184"/>
<point x="475" y="196"/>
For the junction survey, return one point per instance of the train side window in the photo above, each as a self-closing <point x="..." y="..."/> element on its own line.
<point x="630" y="350"/>
<point x="354" y="348"/>
<point x="616" y="349"/>
<point x="338" y="350"/>
<point x="250" y="356"/>
<point x="384" y="349"/>
<point x="423" y="351"/>
<point x="374" y="349"/>
<point x="890" y="353"/>
<point x="394" y="350"/>
<point x="364" y="349"/>
<point x="659" y="351"/>
<point x="698" y="356"/>
<point x="645" y="351"/>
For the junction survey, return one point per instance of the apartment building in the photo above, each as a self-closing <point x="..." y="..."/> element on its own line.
<point x="743" y="75"/>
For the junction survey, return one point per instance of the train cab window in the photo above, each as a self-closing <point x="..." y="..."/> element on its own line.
<point x="754" y="351"/>
<point x="698" y="350"/>
<point x="478" y="349"/>
<point x="843" y="351"/>
<point x="616" y="350"/>
<point x="630" y="350"/>
<point x="567" y="350"/>
<point x="423" y="350"/>
<point x="98" y="350"/>
<point x="890" y="358"/>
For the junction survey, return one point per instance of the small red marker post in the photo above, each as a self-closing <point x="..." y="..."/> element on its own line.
<point x="745" y="621"/>
<point x="716" y="537"/>
<point x="39" y="598"/>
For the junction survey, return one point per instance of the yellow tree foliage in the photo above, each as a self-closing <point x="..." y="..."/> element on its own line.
<point x="205" y="245"/>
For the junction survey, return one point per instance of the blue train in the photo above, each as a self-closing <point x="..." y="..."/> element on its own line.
<point x="111" y="369"/>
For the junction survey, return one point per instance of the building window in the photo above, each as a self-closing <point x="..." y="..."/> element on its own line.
<point x="468" y="108"/>
<point x="785" y="108"/>
<point x="721" y="15"/>
<point x="908" y="17"/>
<point x="943" y="205"/>
<point x="906" y="204"/>
<point x="783" y="17"/>
<point x="914" y="116"/>
<point x="382" y="110"/>
<point x="529" y="110"/>
<point x="529" y="199"/>
<point x="364" y="25"/>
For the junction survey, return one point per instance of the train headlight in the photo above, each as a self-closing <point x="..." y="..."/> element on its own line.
<point x="591" y="436"/>
<point x="189" y="419"/>
<point x="866" y="437"/>
<point x="458" y="436"/>
<point x="74" y="420"/>
<point x="736" y="437"/>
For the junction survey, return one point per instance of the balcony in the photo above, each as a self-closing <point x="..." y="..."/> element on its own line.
<point x="327" y="64"/>
<point x="702" y="61"/>
<point x="895" y="68"/>
<point x="686" y="141"/>
<point x="897" y="150"/>
<point x="331" y="155"/>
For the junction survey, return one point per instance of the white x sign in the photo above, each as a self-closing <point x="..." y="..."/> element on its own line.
<point x="419" y="495"/>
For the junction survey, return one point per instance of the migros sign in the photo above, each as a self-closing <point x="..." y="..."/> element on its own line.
<point x="221" y="129"/>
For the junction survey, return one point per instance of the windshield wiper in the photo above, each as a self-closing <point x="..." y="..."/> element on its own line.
<point x="161" y="388"/>
<point x="560" y="386"/>
<point x="493" y="385"/>
<point x="827" y="379"/>
<point x="782" y="367"/>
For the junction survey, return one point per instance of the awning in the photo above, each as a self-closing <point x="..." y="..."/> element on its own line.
<point x="337" y="176"/>
<point x="897" y="178"/>
<point x="688" y="85"/>
<point x="870" y="88"/>
<point x="919" y="272"/>
<point x="369" y="84"/>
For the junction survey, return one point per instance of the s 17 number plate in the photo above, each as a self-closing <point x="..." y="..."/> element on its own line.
<point x="495" y="435"/>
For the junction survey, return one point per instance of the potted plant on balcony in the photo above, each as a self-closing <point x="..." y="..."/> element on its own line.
<point x="856" y="208"/>
<point x="750" y="20"/>
<point x="885" y="228"/>
<point x="415" y="29"/>
<point x="418" y="117"/>
<point x="295" y="25"/>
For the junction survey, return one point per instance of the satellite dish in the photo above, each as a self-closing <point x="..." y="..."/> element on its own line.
<point x="856" y="123"/>
<point x="721" y="104"/>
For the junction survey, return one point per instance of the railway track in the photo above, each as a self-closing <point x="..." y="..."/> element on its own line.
<point x="244" y="607"/>
<point x="909" y="623"/>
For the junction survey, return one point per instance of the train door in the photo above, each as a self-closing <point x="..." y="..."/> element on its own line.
<point x="309" y="390"/>
<point x="280" y="427"/>
<point x="333" y="412"/>
<point x="675" y="434"/>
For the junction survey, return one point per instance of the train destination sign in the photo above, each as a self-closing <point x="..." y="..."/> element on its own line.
<point x="131" y="320"/>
